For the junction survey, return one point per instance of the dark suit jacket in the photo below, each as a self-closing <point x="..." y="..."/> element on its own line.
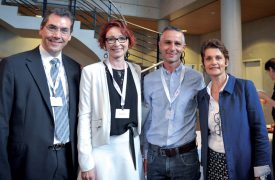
<point x="243" y="127"/>
<point x="26" y="118"/>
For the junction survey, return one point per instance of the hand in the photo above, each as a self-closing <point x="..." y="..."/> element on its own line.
<point x="145" y="166"/>
<point x="262" y="95"/>
<point x="265" y="99"/>
<point x="88" y="175"/>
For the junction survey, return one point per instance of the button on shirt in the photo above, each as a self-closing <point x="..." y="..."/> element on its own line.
<point x="46" y="58"/>
<point x="180" y="130"/>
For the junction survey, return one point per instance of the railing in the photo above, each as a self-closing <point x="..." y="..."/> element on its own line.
<point x="92" y="14"/>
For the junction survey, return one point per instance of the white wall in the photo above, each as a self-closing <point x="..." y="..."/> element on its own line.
<point x="11" y="43"/>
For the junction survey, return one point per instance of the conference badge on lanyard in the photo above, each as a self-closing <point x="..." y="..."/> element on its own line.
<point x="56" y="101"/>
<point x="120" y="113"/>
<point x="170" y="113"/>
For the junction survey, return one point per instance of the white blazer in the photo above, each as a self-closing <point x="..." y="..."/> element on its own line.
<point x="95" y="112"/>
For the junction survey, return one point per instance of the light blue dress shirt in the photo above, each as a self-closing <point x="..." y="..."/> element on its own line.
<point x="158" y="129"/>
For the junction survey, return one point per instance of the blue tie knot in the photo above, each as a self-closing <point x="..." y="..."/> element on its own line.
<point x="54" y="62"/>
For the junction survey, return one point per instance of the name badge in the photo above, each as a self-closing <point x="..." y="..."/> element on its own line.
<point x="56" y="101"/>
<point x="122" y="113"/>
<point x="169" y="114"/>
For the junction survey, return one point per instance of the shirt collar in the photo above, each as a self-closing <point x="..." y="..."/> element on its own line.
<point x="177" y="70"/>
<point x="210" y="85"/>
<point x="46" y="57"/>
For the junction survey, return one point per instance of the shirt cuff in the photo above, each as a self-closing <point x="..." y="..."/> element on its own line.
<point x="262" y="171"/>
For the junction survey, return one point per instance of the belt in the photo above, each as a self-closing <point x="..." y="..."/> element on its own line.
<point x="170" y="152"/>
<point x="57" y="147"/>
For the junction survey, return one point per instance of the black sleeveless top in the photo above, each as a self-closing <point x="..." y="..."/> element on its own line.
<point x="120" y="125"/>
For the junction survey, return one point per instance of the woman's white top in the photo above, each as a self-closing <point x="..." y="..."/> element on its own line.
<point x="215" y="138"/>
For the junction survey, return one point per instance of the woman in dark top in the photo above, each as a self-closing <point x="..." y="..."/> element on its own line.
<point x="270" y="69"/>
<point x="110" y="111"/>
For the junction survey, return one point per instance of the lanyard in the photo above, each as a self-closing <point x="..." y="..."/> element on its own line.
<point x="53" y="85"/>
<point x="177" y="92"/>
<point x="123" y="92"/>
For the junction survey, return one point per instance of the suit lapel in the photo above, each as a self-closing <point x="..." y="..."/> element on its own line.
<point x="35" y="66"/>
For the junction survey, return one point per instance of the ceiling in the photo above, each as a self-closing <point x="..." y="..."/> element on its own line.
<point x="206" y="18"/>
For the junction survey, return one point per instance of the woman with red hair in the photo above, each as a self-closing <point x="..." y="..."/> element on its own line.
<point x="110" y="110"/>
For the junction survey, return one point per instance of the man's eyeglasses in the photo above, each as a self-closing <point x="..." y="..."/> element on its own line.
<point x="217" y="126"/>
<point x="120" y="39"/>
<point x="54" y="29"/>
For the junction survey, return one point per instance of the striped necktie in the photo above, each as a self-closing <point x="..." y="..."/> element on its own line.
<point x="60" y="112"/>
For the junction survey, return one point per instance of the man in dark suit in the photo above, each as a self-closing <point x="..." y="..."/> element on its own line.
<point x="35" y="141"/>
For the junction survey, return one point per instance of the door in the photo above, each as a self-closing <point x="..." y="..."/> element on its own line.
<point x="254" y="72"/>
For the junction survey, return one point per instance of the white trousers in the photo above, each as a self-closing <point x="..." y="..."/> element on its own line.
<point x="114" y="161"/>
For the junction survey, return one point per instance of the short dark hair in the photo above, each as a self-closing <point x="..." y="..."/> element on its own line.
<point x="120" y="25"/>
<point x="270" y="64"/>
<point x="173" y="28"/>
<point x="59" y="12"/>
<point x="214" y="43"/>
<point x="168" y="28"/>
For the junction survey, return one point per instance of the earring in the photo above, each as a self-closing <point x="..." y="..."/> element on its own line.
<point x="127" y="55"/>
<point x="105" y="55"/>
